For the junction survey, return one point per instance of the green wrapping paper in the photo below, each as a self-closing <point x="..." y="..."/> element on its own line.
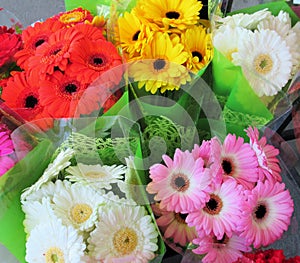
<point x="22" y="175"/>
<point x="242" y="106"/>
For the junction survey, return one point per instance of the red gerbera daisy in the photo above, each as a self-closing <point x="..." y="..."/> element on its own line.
<point x="33" y="37"/>
<point x="91" y="32"/>
<point x="61" y="96"/>
<point x="75" y="16"/>
<point x="23" y="97"/>
<point x="10" y="43"/>
<point x="90" y="59"/>
<point x="54" y="54"/>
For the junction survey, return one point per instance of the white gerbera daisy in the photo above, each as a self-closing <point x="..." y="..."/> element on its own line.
<point x="47" y="190"/>
<point x="248" y="21"/>
<point x="99" y="176"/>
<point x="60" y="162"/>
<point x="281" y="24"/>
<point x="52" y="242"/>
<point x="292" y="40"/>
<point x="78" y="206"/>
<point x="266" y="62"/>
<point x="36" y="213"/>
<point x="124" y="234"/>
<point x="227" y="39"/>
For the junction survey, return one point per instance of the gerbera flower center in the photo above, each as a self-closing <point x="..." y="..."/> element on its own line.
<point x="180" y="218"/>
<point x="95" y="174"/>
<point x="70" y="88"/>
<point x="136" y="36"/>
<point x="227" y="167"/>
<point x="180" y="182"/>
<point x="198" y="55"/>
<point x="159" y="64"/>
<point x="81" y="213"/>
<point x="39" y="42"/>
<point x="125" y="241"/>
<point x="263" y="63"/>
<point x="31" y="101"/>
<point x="96" y="62"/>
<point x="222" y="241"/>
<point x="172" y="15"/>
<point x="260" y="211"/>
<point x="214" y="205"/>
<point x="72" y="17"/>
<point x="54" y="255"/>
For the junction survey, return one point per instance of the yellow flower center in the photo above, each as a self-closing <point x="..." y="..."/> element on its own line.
<point x="263" y="63"/>
<point x="95" y="174"/>
<point x="125" y="241"/>
<point x="72" y="17"/>
<point x="54" y="255"/>
<point x="81" y="213"/>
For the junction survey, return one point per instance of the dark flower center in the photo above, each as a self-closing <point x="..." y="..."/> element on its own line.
<point x="136" y="36"/>
<point x="180" y="218"/>
<point x="260" y="211"/>
<point x="198" y="55"/>
<point x="31" y="102"/>
<point x="227" y="166"/>
<point x="214" y="205"/>
<point x="159" y="64"/>
<point x="180" y="182"/>
<point x="39" y="42"/>
<point x="70" y="88"/>
<point x="172" y="15"/>
<point x="97" y="61"/>
<point x="224" y="240"/>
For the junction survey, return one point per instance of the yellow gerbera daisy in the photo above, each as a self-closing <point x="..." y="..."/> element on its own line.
<point x="198" y="43"/>
<point x="133" y="34"/>
<point x="170" y="14"/>
<point x="162" y="65"/>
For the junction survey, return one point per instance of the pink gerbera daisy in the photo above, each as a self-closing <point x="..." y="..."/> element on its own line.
<point x="239" y="161"/>
<point x="222" y="213"/>
<point x="6" y="144"/>
<point x="207" y="152"/>
<point x="268" y="163"/>
<point x="268" y="213"/>
<point x="6" y="163"/>
<point x="181" y="185"/>
<point x="173" y="226"/>
<point x="223" y="250"/>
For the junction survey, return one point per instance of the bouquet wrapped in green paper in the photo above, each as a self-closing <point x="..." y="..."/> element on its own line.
<point x="256" y="56"/>
<point x="87" y="193"/>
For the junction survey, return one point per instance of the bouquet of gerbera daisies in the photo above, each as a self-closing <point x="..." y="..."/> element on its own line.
<point x="256" y="56"/>
<point x="60" y="60"/>
<point x="222" y="199"/>
<point x="89" y="200"/>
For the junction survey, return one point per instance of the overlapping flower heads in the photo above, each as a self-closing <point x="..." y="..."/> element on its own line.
<point x="91" y="217"/>
<point x="165" y="40"/>
<point x="225" y="197"/>
<point x="60" y="58"/>
<point x="272" y="41"/>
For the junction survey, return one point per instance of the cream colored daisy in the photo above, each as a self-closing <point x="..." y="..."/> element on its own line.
<point x="37" y="212"/>
<point x="60" y="162"/>
<point x="98" y="176"/>
<point x="78" y="206"/>
<point x="125" y="234"/>
<point x="169" y="14"/>
<point x="47" y="190"/>
<point x="162" y="65"/>
<point x="53" y="242"/>
<point x="227" y="39"/>
<point x="248" y="21"/>
<point x="266" y="62"/>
